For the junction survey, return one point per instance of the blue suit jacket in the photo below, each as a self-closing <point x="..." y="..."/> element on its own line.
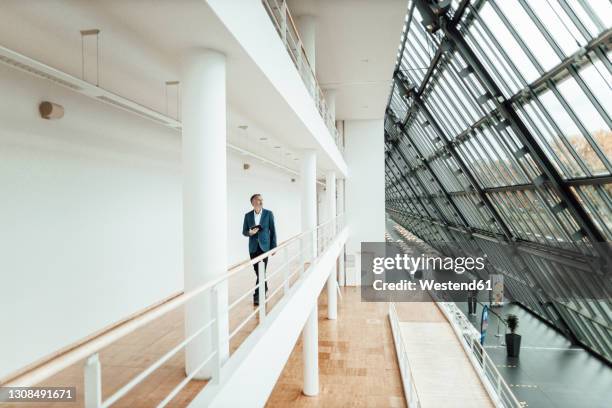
<point x="266" y="237"/>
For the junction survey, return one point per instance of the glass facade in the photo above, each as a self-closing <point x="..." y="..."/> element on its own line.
<point x="498" y="131"/>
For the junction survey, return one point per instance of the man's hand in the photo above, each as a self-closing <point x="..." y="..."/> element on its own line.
<point x="253" y="231"/>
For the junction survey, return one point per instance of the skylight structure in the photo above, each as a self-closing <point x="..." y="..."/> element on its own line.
<point x="498" y="139"/>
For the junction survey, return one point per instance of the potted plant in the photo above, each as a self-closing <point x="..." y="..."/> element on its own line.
<point x="513" y="340"/>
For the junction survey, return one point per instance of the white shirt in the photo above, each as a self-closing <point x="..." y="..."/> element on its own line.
<point x="258" y="216"/>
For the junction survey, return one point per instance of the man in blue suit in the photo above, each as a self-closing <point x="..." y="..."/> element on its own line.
<point x="259" y="227"/>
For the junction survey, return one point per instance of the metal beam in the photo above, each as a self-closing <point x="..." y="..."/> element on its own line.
<point x="503" y="106"/>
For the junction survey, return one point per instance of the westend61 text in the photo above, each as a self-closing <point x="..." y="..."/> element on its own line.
<point x="430" y="284"/>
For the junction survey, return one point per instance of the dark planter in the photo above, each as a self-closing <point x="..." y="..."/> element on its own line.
<point x="513" y="344"/>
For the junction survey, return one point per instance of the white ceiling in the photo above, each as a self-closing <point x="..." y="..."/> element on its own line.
<point x="142" y="40"/>
<point x="356" y="48"/>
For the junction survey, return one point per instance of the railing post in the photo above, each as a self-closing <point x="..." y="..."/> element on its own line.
<point x="93" y="382"/>
<point x="216" y="335"/>
<point x="499" y="385"/>
<point x="262" y="292"/>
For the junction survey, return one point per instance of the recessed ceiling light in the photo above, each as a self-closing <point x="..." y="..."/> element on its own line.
<point x="365" y="60"/>
<point x="243" y="127"/>
<point x="296" y="159"/>
<point x="263" y="139"/>
<point x="277" y="147"/>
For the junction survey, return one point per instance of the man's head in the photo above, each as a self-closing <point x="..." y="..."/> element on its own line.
<point x="257" y="201"/>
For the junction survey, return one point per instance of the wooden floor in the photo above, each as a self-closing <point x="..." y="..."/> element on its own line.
<point x="358" y="367"/>
<point x="124" y="360"/>
<point x="129" y="356"/>
<point x="357" y="362"/>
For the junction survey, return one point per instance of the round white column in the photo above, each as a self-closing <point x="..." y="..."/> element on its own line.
<point x="308" y="184"/>
<point x="340" y="211"/>
<point x="204" y="196"/>
<point x="332" y="294"/>
<point x="310" y="333"/>
<point x="310" y="351"/>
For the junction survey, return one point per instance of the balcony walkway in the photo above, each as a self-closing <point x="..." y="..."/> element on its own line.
<point x="357" y="362"/>
<point x="442" y="372"/>
<point x="129" y="356"/>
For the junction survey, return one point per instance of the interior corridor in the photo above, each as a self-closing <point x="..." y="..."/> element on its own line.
<point x="123" y="360"/>
<point x="357" y="362"/>
<point x="442" y="372"/>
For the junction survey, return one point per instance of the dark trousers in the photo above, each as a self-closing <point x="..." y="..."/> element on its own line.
<point x="256" y="268"/>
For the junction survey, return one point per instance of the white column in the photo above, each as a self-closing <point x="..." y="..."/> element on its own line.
<point x="341" y="266"/>
<point x="310" y="335"/>
<point x="364" y="189"/>
<point x="306" y="26"/>
<point x="204" y="196"/>
<point x="308" y="181"/>
<point x="310" y="351"/>
<point x="340" y="211"/>
<point x="332" y="294"/>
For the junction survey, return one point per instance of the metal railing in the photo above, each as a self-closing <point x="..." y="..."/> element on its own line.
<point x="469" y="337"/>
<point x="494" y="383"/>
<point x="410" y="391"/>
<point x="285" y="26"/>
<point x="287" y="264"/>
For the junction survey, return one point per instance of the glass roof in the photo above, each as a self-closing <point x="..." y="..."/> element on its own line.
<point x="498" y="130"/>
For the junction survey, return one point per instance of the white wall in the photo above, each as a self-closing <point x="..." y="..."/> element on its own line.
<point x="280" y="195"/>
<point x="90" y="216"/>
<point x="364" y="189"/>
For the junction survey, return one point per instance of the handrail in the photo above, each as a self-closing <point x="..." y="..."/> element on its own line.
<point x="312" y="69"/>
<point x="43" y="370"/>
<point x="297" y="33"/>
<point x="411" y="393"/>
<point x="286" y="27"/>
<point x="495" y="385"/>
<point x="32" y="366"/>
